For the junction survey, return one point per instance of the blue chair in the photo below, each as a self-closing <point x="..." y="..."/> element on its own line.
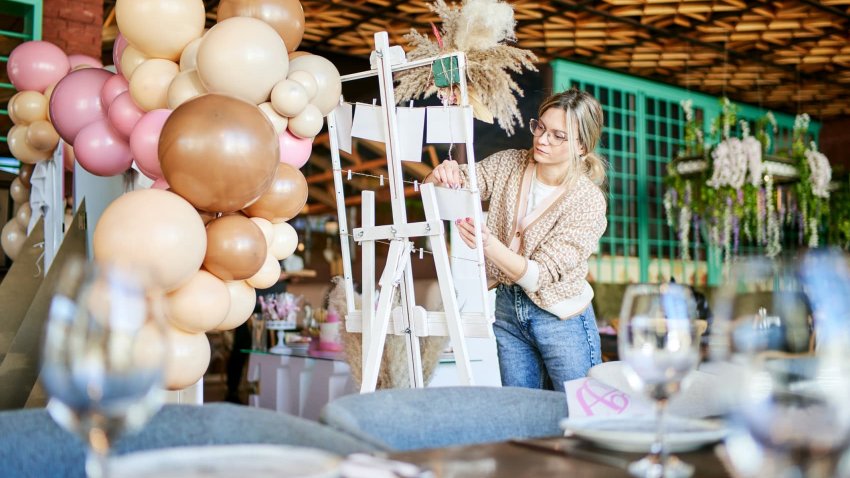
<point x="411" y="419"/>
<point x="33" y="445"/>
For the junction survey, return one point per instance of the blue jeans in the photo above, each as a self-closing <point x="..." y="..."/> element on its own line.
<point x="536" y="348"/>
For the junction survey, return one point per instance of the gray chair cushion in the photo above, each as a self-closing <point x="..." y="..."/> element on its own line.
<point x="33" y="445"/>
<point x="410" y="419"/>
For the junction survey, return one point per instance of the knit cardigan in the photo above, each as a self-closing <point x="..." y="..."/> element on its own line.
<point x="556" y="244"/>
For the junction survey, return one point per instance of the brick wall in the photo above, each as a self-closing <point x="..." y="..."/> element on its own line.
<point x="74" y="25"/>
<point x="835" y="142"/>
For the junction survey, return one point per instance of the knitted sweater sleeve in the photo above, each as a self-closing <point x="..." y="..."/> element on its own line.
<point x="570" y="244"/>
<point x="487" y="171"/>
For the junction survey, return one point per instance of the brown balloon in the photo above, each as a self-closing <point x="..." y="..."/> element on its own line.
<point x="285" y="197"/>
<point x="218" y="152"/>
<point x="42" y="136"/>
<point x="25" y="174"/>
<point x="285" y="16"/>
<point x="236" y="248"/>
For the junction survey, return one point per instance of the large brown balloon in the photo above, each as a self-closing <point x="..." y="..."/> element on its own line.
<point x="285" y="197"/>
<point x="218" y="152"/>
<point x="285" y="16"/>
<point x="236" y="248"/>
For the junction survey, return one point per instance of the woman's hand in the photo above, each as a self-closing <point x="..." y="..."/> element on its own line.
<point x="447" y="174"/>
<point x="466" y="228"/>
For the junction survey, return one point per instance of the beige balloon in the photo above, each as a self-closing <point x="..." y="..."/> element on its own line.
<point x="189" y="57"/>
<point x="305" y="79"/>
<point x="187" y="359"/>
<point x="42" y="136"/>
<point x="266" y="226"/>
<point x="12" y="239"/>
<point x="329" y="85"/>
<point x="160" y="28"/>
<point x="21" y="149"/>
<point x="10" y="107"/>
<point x="150" y="82"/>
<point x="20" y="193"/>
<point x="284" y="241"/>
<point x="243" y="298"/>
<point x="185" y="86"/>
<point x="200" y="304"/>
<point x="150" y="346"/>
<point x="23" y="215"/>
<point x="131" y="59"/>
<point x="308" y="123"/>
<point x="268" y="275"/>
<point x="243" y="57"/>
<point x="48" y="93"/>
<point x="279" y="122"/>
<point x="29" y="106"/>
<point x="289" y="98"/>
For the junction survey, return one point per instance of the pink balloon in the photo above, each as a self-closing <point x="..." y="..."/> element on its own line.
<point x="294" y="151"/>
<point x="78" y="59"/>
<point x="117" y="50"/>
<point x="35" y="65"/>
<point x="101" y="150"/>
<point x="144" y="142"/>
<point x="76" y="102"/>
<point x="160" y="183"/>
<point x="124" y="114"/>
<point x="112" y="88"/>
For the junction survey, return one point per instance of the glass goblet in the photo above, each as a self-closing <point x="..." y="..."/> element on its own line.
<point x="103" y="356"/>
<point x="659" y="342"/>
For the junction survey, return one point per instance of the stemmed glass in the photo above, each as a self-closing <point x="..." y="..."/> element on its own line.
<point x="659" y="342"/>
<point x="103" y="356"/>
<point x="783" y="327"/>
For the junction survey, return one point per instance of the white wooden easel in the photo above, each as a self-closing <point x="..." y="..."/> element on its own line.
<point x="408" y="319"/>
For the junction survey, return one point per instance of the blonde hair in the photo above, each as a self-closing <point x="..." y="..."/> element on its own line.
<point x="584" y="111"/>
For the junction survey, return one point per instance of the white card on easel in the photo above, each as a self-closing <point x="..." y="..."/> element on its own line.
<point x="445" y="124"/>
<point x="342" y="113"/>
<point x="411" y="130"/>
<point x="368" y="122"/>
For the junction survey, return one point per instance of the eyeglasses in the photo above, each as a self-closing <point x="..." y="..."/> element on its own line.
<point x="555" y="137"/>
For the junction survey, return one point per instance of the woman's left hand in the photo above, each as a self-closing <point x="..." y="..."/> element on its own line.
<point x="466" y="228"/>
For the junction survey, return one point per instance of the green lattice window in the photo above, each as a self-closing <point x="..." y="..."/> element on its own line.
<point x="644" y="125"/>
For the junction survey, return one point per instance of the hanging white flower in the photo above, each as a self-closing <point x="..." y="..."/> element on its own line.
<point x="730" y="164"/>
<point x="752" y="150"/>
<point x="821" y="171"/>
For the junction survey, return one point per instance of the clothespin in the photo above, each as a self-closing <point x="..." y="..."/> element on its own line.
<point x="421" y="252"/>
<point x="374" y="102"/>
<point x="349" y="175"/>
<point x="382" y="180"/>
<point x="410" y="105"/>
<point x="416" y="185"/>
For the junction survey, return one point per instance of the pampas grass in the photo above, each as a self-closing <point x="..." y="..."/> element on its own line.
<point x="393" y="372"/>
<point x="479" y="28"/>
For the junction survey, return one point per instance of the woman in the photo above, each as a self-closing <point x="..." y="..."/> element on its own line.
<point x="547" y="213"/>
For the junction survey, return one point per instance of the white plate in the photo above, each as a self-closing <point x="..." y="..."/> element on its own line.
<point x="230" y="461"/>
<point x="636" y="434"/>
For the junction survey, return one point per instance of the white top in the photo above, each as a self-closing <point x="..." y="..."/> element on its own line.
<point x="539" y="192"/>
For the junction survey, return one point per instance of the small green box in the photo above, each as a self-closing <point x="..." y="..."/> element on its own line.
<point x="446" y="72"/>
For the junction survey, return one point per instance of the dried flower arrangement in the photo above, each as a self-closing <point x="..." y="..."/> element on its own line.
<point x="480" y="29"/>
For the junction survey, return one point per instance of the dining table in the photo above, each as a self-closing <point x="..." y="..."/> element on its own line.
<point x="544" y="457"/>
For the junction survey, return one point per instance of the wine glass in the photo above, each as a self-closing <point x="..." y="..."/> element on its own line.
<point x="659" y="343"/>
<point x="783" y="327"/>
<point x="103" y="356"/>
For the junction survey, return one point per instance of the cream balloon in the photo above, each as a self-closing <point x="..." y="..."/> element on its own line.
<point x="12" y="238"/>
<point x="268" y="275"/>
<point x="185" y="86"/>
<point x="155" y="231"/>
<point x="327" y="80"/>
<point x="42" y="136"/>
<point x="20" y="147"/>
<point x="130" y="60"/>
<point x="284" y="241"/>
<point x="279" y="122"/>
<point x="150" y="345"/>
<point x="307" y="80"/>
<point x="160" y="28"/>
<point x="189" y="57"/>
<point x="150" y="82"/>
<point x="289" y="98"/>
<point x="24" y="213"/>
<point x="188" y="358"/>
<point x="243" y="298"/>
<point x="200" y="304"/>
<point x="243" y="57"/>
<point x="266" y="226"/>
<point x="29" y="106"/>
<point x="18" y="191"/>
<point x="308" y="123"/>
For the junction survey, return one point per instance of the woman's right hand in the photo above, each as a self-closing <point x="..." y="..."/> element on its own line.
<point x="447" y="174"/>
